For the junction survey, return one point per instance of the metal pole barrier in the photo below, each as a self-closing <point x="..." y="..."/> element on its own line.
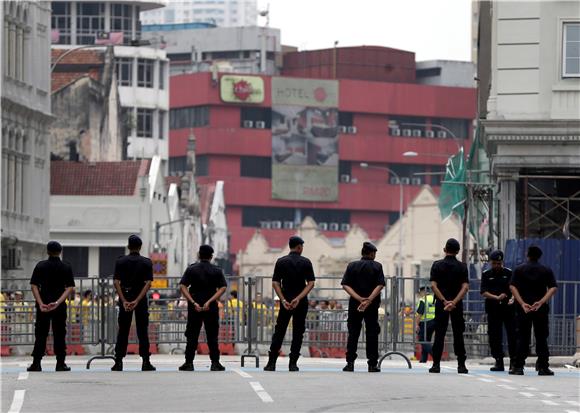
<point x="395" y="325"/>
<point x="102" y="356"/>
<point x="249" y="352"/>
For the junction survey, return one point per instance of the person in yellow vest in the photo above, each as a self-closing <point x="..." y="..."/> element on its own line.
<point x="235" y="307"/>
<point x="425" y="322"/>
<point x="86" y="308"/>
<point x="73" y="303"/>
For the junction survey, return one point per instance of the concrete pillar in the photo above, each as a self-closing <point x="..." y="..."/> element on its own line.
<point x="93" y="261"/>
<point x="507" y="210"/>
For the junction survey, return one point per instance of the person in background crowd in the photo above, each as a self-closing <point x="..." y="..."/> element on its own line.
<point x="425" y="322"/>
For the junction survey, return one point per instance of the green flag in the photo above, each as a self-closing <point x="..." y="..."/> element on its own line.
<point x="453" y="192"/>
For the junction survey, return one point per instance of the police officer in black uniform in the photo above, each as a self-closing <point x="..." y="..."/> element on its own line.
<point x="51" y="283"/>
<point x="532" y="285"/>
<point x="450" y="282"/>
<point x="132" y="279"/>
<point x="499" y="308"/>
<point x="363" y="280"/>
<point x="292" y="280"/>
<point x="206" y="284"/>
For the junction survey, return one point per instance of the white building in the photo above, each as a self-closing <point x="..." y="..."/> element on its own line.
<point x="195" y="48"/>
<point x="142" y="72"/>
<point x="25" y="28"/>
<point x="532" y="126"/>
<point x="94" y="207"/>
<point x="227" y="13"/>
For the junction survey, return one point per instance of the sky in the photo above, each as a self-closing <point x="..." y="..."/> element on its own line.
<point x="433" y="29"/>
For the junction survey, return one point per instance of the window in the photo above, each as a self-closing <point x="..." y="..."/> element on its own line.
<point x="107" y="258"/>
<point x="571" y="61"/>
<point x="177" y="165"/>
<point x="161" y="124"/>
<point x="191" y="117"/>
<point x="459" y="127"/>
<point x="256" y="166"/>
<point x="254" y="216"/>
<point x="78" y="258"/>
<point x="201" y="165"/>
<point x="255" y="115"/>
<point x="144" y="123"/>
<point x="61" y="20"/>
<point x="161" y="75"/>
<point x="345" y="119"/>
<point x="121" y="20"/>
<point x="90" y="20"/>
<point x="145" y="72"/>
<point x="125" y="71"/>
<point x="410" y="123"/>
<point x="344" y="169"/>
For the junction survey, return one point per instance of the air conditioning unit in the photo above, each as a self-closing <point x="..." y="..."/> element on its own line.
<point x="429" y="134"/>
<point x="248" y="124"/>
<point x="394" y="180"/>
<point x="260" y="124"/>
<point x="407" y="132"/>
<point x="441" y="134"/>
<point x="405" y="181"/>
<point x="352" y="130"/>
<point x="417" y="132"/>
<point x="12" y="259"/>
<point x="345" y="227"/>
<point x="395" y="132"/>
<point x="276" y="224"/>
<point x="265" y="224"/>
<point x="345" y="178"/>
<point x="416" y="181"/>
<point x="323" y="226"/>
<point x="288" y="225"/>
<point x="334" y="226"/>
<point x="342" y="129"/>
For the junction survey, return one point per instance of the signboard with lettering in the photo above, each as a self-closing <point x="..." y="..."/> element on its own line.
<point x="159" y="261"/>
<point x="242" y="89"/>
<point x="304" y="139"/>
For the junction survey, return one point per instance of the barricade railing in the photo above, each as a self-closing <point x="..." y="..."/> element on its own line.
<point x="247" y="322"/>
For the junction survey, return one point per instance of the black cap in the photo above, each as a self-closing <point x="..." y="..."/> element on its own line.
<point x="54" y="247"/>
<point x="452" y="245"/>
<point x="295" y="241"/>
<point x="496" y="255"/>
<point x="369" y="247"/>
<point x="534" y="252"/>
<point x="205" y="250"/>
<point x="135" y="241"/>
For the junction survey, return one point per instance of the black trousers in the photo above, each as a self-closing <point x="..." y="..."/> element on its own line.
<point x="457" y="324"/>
<point x="41" y="328"/>
<point x="426" y="330"/>
<point x="524" y="323"/>
<point x="298" y="316"/>
<point x="497" y="319"/>
<point x="141" y="322"/>
<point x="210" y="320"/>
<point x="372" y="328"/>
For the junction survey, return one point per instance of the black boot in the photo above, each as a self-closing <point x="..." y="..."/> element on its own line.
<point x="374" y="368"/>
<point x="187" y="366"/>
<point x="498" y="366"/>
<point x="512" y="363"/>
<point x="435" y="368"/>
<point x="118" y="366"/>
<point x="545" y="371"/>
<point x="216" y="366"/>
<point x="271" y="366"/>
<point x="147" y="366"/>
<point x="461" y="369"/>
<point x="349" y="366"/>
<point x="61" y="366"/>
<point x="292" y="366"/>
<point x="35" y="366"/>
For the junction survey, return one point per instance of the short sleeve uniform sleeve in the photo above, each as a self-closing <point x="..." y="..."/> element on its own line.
<point x="277" y="277"/>
<point x="186" y="278"/>
<point x="309" y="272"/>
<point x="117" y="273"/>
<point x="148" y="276"/>
<point x="347" y="277"/>
<point x="69" y="280"/>
<point x="550" y="279"/>
<point x="380" y="275"/>
<point x="221" y="279"/>
<point x="36" y="274"/>
<point x="434" y="273"/>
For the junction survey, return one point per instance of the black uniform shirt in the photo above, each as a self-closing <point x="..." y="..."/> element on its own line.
<point x="293" y="271"/>
<point x="533" y="280"/>
<point x="496" y="283"/>
<point x="363" y="276"/>
<point x="203" y="279"/>
<point x="52" y="277"/>
<point x="133" y="271"/>
<point x="449" y="274"/>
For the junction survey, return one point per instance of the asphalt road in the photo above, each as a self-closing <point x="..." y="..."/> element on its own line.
<point x="320" y="386"/>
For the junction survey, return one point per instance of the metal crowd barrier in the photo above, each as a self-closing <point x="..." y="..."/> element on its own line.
<point x="247" y="324"/>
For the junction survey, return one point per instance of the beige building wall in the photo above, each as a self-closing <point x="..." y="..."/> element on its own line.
<point x="424" y="236"/>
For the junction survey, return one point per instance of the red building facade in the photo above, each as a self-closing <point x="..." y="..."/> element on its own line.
<point x="378" y="122"/>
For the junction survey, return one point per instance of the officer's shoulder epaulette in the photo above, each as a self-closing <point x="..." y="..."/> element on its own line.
<point x="509" y="269"/>
<point x="486" y="271"/>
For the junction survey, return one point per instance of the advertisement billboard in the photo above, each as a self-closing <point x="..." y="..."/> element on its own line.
<point x="241" y="89"/>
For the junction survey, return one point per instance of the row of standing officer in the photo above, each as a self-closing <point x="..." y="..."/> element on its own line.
<point x="203" y="284"/>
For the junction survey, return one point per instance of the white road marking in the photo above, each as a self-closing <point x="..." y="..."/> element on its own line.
<point x="549" y="403"/>
<point x="489" y="376"/>
<point x="523" y="393"/>
<point x="487" y="380"/>
<point x="548" y="394"/>
<point x="261" y="392"/>
<point x="448" y="368"/>
<point x="506" y="380"/>
<point x="530" y="388"/>
<point x="23" y="375"/>
<point x="243" y="374"/>
<point x="573" y="403"/>
<point x="506" y="386"/>
<point x="22" y="364"/>
<point x="17" y="401"/>
<point x="572" y="411"/>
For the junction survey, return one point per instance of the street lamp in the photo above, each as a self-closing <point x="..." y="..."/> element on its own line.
<point x="365" y="165"/>
<point x="435" y="125"/>
<point x="413" y="154"/>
